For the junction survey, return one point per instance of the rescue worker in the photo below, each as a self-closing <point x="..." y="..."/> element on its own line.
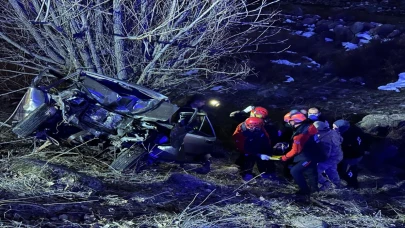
<point x="353" y="151"/>
<point x="251" y="140"/>
<point x="250" y="111"/>
<point x="281" y="147"/>
<point x="275" y="132"/>
<point x="304" y="152"/>
<point x="330" y="142"/>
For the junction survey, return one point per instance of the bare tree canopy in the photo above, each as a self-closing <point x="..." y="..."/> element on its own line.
<point x="163" y="44"/>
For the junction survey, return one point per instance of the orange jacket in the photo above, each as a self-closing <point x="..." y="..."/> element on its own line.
<point x="239" y="138"/>
<point x="299" y="141"/>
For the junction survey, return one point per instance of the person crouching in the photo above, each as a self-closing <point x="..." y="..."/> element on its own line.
<point x="252" y="140"/>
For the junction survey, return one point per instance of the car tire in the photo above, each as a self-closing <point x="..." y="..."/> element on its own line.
<point x="128" y="159"/>
<point x="31" y="123"/>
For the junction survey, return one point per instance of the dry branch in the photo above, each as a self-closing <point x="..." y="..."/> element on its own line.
<point x="186" y="45"/>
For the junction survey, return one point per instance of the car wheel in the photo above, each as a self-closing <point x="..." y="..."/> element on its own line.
<point x="128" y="159"/>
<point x="31" y="123"/>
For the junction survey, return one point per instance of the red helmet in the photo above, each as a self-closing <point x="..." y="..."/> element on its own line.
<point x="297" y="117"/>
<point x="259" y="112"/>
<point x="253" y="123"/>
<point x="287" y="117"/>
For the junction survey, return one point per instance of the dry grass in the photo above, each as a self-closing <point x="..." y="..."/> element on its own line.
<point x="170" y="196"/>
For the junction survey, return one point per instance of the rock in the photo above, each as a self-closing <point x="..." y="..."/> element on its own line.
<point x="271" y="92"/>
<point x="394" y="33"/>
<point x="381" y="125"/>
<point x="355" y="40"/>
<point x="309" y="21"/>
<point x="384" y="30"/>
<point x="297" y="11"/>
<point x="333" y="24"/>
<point x="388" y="137"/>
<point x="322" y="27"/>
<point x="358" y="80"/>
<point x="343" y="33"/>
<point x="328" y="34"/>
<point x="367" y="26"/>
<point x="357" y="27"/>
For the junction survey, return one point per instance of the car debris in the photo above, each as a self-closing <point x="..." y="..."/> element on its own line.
<point x="83" y="106"/>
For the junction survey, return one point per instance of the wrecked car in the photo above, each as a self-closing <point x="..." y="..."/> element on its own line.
<point x="85" y="106"/>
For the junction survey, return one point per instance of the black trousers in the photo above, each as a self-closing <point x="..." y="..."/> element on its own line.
<point x="348" y="171"/>
<point x="247" y="162"/>
<point x="302" y="170"/>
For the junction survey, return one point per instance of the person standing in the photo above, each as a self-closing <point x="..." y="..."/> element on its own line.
<point x="353" y="151"/>
<point x="304" y="152"/>
<point x="330" y="142"/>
<point x="251" y="140"/>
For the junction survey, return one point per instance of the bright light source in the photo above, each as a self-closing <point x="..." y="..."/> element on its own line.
<point x="214" y="103"/>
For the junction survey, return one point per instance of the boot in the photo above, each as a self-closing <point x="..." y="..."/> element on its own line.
<point x="325" y="186"/>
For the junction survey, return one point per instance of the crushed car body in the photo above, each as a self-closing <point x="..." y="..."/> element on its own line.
<point x="84" y="105"/>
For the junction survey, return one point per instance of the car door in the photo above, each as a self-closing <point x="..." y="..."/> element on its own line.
<point x="201" y="140"/>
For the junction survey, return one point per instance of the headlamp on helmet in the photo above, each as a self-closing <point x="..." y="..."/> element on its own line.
<point x="259" y="112"/>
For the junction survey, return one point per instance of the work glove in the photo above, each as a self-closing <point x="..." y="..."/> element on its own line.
<point x="233" y="114"/>
<point x="248" y="109"/>
<point x="264" y="157"/>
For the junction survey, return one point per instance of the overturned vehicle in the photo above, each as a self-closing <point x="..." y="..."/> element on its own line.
<point x="140" y="123"/>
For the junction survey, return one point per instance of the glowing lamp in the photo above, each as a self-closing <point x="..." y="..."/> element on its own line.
<point x="214" y="103"/>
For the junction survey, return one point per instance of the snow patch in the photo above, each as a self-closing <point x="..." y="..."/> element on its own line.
<point x="375" y="24"/>
<point x="285" y="62"/>
<point x="362" y="41"/>
<point x="312" y="61"/>
<point x="364" y="35"/>
<point x="289" y="79"/>
<point x="304" y="34"/>
<point x="216" y="88"/>
<point x="307" y="34"/>
<point x="289" y="21"/>
<point x="395" y="85"/>
<point x="349" y="46"/>
<point x="328" y="39"/>
<point x="291" y="52"/>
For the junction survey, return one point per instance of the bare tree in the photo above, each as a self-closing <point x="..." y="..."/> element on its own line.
<point x="164" y="44"/>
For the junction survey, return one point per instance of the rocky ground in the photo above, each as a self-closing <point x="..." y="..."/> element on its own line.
<point x="329" y="57"/>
